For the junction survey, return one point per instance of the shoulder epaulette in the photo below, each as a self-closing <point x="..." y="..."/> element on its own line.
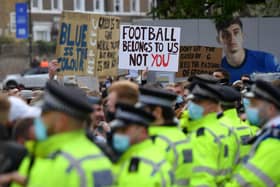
<point x="133" y="165"/>
<point x="200" y="132"/>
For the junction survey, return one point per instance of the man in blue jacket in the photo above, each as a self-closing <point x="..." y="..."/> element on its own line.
<point x="238" y="60"/>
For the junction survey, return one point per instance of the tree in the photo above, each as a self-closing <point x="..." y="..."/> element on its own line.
<point x="179" y="9"/>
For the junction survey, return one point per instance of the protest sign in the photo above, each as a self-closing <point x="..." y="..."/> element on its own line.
<point x="107" y="46"/>
<point x="198" y="60"/>
<point x="80" y="44"/>
<point x="155" y="48"/>
<point x="90" y="82"/>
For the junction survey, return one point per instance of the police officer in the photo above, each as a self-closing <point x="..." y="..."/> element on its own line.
<point x="142" y="163"/>
<point x="229" y="97"/>
<point x="213" y="147"/>
<point x="186" y="124"/>
<point x="261" y="167"/>
<point x="62" y="154"/>
<point x="165" y="130"/>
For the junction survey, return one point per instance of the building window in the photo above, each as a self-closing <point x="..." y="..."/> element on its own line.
<point x="42" y="31"/>
<point x="36" y="4"/>
<point x="152" y="4"/>
<point x="79" y="5"/>
<point x="13" y="22"/>
<point x="118" y="5"/>
<point x="56" y="4"/>
<point x="134" y="5"/>
<point x="42" y="35"/>
<point x="98" y="5"/>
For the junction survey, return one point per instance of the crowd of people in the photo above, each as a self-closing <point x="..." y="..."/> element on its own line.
<point x="200" y="132"/>
<point x="209" y="130"/>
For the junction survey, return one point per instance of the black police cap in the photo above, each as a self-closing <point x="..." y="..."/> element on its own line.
<point x="228" y="94"/>
<point x="158" y="97"/>
<point x="94" y="100"/>
<point x="203" y="79"/>
<point x="129" y="114"/>
<point x="70" y="100"/>
<point x="205" y="91"/>
<point x="266" y="91"/>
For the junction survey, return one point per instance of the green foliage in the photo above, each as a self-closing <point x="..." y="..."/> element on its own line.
<point x="6" y="40"/>
<point x="46" y="47"/>
<point x="219" y="10"/>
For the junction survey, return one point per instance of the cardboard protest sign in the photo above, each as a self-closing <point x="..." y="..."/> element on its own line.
<point x="198" y="60"/>
<point x="88" y="81"/>
<point x="80" y="44"/>
<point x="107" y="46"/>
<point x="155" y="48"/>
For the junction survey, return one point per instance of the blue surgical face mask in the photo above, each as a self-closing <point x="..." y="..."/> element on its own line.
<point x="253" y="115"/>
<point x="179" y="99"/>
<point x="120" y="142"/>
<point x="195" y="111"/>
<point x="246" y="102"/>
<point x="40" y="129"/>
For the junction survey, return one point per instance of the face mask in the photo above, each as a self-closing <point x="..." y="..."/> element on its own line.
<point x="120" y="142"/>
<point x="246" y="102"/>
<point x="40" y="129"/>
<point x="179" y="99"/>
<point x="253" y="116"/>
<point x="195" y="111"/>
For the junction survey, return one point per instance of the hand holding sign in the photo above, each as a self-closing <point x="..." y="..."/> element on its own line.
<point x="155" y="48"/>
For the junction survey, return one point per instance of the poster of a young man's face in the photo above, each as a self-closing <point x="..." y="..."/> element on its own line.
<point x="231" y="38"/>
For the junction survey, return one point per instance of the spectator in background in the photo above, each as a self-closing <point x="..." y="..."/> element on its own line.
<point x="238" y="60"/>
<point x="4" y="116"/>
<point x="170" y="87"/>
<point x="179" y="88"/>
<point x="121" y="91"/>
<point x="97" y="129"/>
<point x="37" y="98"/>
<point x="222" y="75"/>
<point x="26" y="95"/>
<point x="13" y="92"/>
<point x="53" y="69"/>
<point x="44" y="63"/>
<point x="35" y="62"/>
<point x="23" y="130"/>
<point x="19" y="110"/>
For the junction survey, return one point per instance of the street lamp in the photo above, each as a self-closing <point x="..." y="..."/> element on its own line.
<point x="30" y="31"/>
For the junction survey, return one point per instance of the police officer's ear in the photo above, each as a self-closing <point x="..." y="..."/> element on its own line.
<point x="157" y="113"/>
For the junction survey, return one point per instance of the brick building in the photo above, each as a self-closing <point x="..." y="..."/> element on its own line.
<point x="46" y="13"/>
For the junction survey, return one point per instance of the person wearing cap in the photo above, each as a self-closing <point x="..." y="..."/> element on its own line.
<point x="208" y="138"/>
<point x="229" y="97"/>
<point x="62" y="154"/>
<point x="142" y="162"/>
<point x="165" y="129"/>
<point x="261" y="167"/>
<point x="184" y="121"/>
